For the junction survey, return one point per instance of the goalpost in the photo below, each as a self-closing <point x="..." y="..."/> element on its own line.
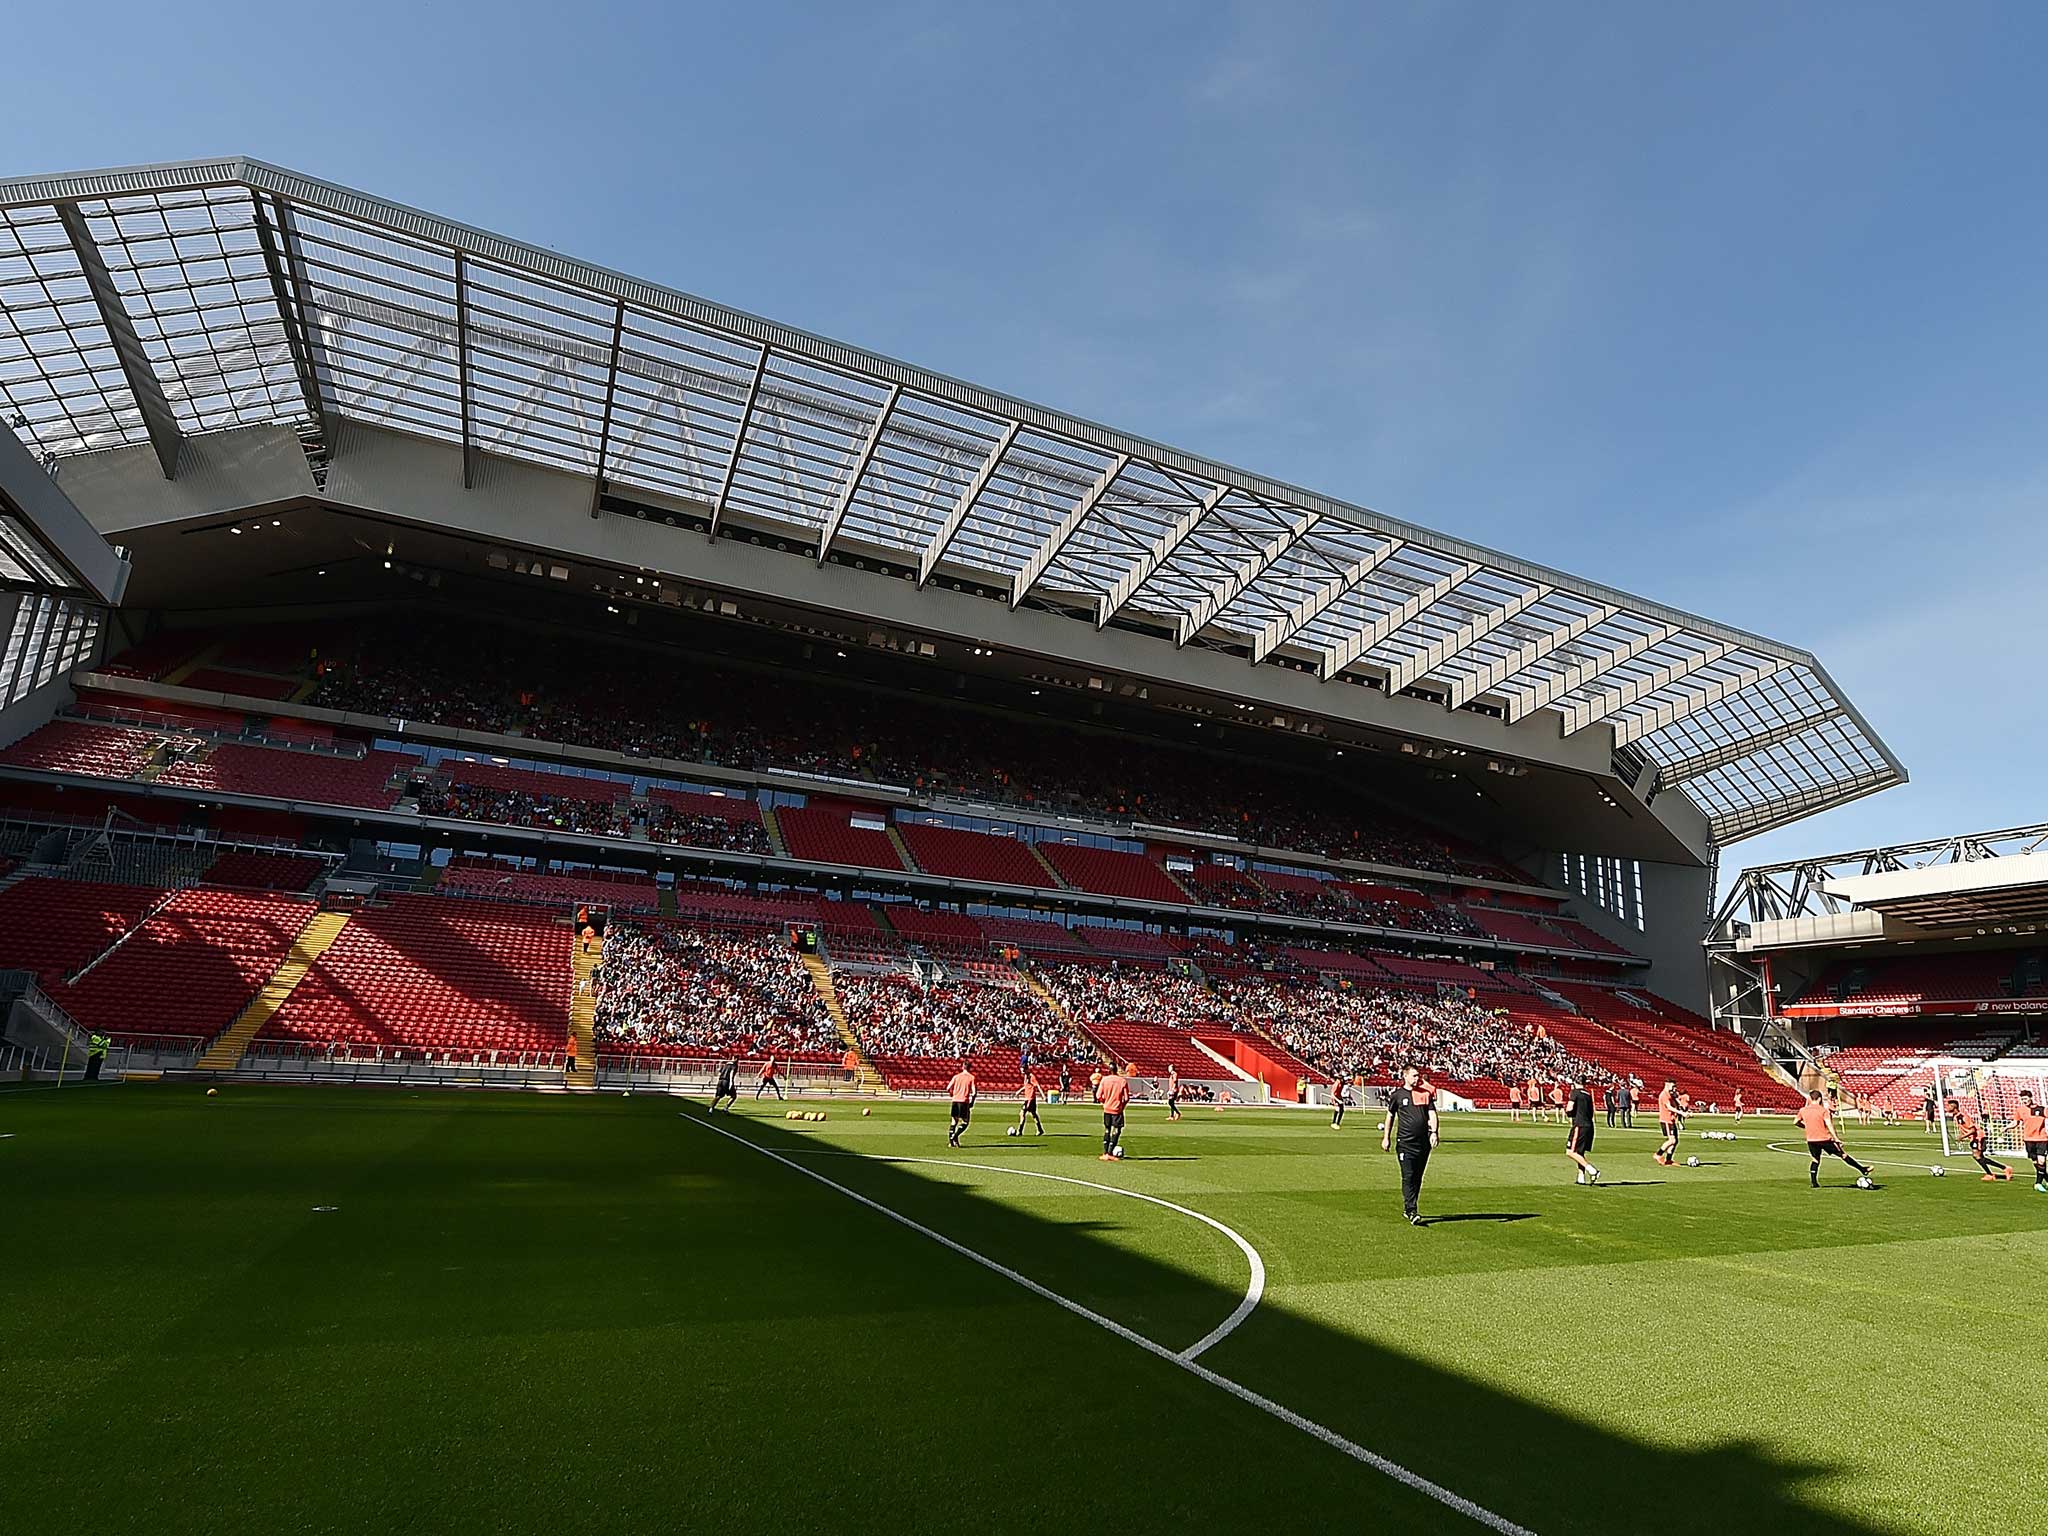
<point x="1991" y="1092"/>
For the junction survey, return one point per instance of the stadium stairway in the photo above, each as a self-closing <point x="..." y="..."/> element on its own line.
<point x="871" y="1081"/>
<point x="902" y="849"/>
<point x="583" y="1013"/>
<point x="775" y="842"/>
<point x="1058" y="1009"/>
<point x="225" y="1053"/>
<point x="1045" y="864"/>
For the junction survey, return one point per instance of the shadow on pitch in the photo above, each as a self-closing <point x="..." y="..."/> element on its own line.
<point x="1737" y="1484"/>
<point x="1437" y="1221"/>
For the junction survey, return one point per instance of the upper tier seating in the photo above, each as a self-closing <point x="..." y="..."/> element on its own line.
<point x="826" y="834"/>
<point x="254" y="685"/>
<point x="962" y="855"/>
<point x="372" y="781"/>
<point x="452" y="672"/>
<point x="191" y="967"/>
<point x="154" y="655"/>
<point x="434" y="974"/>
<point x="1112" y="872"/>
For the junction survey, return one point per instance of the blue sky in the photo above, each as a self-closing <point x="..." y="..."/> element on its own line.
<point x="1742" y="308"/>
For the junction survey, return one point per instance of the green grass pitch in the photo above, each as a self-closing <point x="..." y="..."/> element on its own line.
<point x="553" y="1314"/>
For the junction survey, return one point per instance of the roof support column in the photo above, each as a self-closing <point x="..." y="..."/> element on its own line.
<point x="157" y="417"/>
<point x="1157" y="555"/>
<point x="611" y="390"/>
<point x="739" y="442"/>
<point x="860" y="467"/>
<point x="956" y="515"/>
<point x="1064" y="530"/>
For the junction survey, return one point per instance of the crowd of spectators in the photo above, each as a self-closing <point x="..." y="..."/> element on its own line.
<point x="667" y="824"/>
<point x="519" y="808"/>
<point x="1105" y="994"/>
<point x="895" y="1015"/>
<point x="684" y="990"/>
<point x="1374" y="1032"/>
<point x="511" y="681"/>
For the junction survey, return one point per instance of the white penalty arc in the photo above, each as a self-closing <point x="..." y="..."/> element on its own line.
<point x="1351" y="1448"/>
<point x="1254" y="1290"/>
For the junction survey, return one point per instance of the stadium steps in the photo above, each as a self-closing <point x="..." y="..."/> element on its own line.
<point x="1059" y="1011"/>
<point x="871" y="1081"/>
<point x="775" y="842"/>
<point x="583" y="1013"/>
<point x="321" y="930"/>
<point x="1045" y="864"/>
<point x="183" y="670"/>
<point x="902" y="849"/>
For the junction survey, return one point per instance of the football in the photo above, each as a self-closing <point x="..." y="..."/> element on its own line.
<point x="1011" y="1131"/>
<point x="1692" y="1162"/>
<point x="1117" y="1153"/>
<point x="1863" y="1181"/>
<point x="1938" y="1171"/>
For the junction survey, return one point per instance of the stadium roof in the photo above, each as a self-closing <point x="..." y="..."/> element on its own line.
<point x="1986" y="880"/>
<point x="152" y="304"/>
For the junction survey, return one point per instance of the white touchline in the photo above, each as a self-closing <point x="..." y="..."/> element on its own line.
<point x="1223" y="1330"/>
<point x="1193" y="1367"/>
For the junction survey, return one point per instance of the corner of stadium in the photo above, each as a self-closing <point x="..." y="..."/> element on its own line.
<point x="435" y="665"/>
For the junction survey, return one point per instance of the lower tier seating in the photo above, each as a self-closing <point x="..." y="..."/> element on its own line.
<point x="191" y="967"/>
<point x="437" y="974"/>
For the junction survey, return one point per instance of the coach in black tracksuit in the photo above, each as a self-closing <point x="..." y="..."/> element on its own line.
<point x="1411" y="1129"/>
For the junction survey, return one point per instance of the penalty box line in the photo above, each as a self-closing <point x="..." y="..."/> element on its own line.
<point x="1373" y="1459"/>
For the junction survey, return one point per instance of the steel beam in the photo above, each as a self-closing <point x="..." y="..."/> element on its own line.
<point x="1587" y="711"/>
<point x="1156" y="554"/>
<point x="1576" y="676"/>
<point x="956" y="515"/>
<point x="1283" y="627"/>
<point x="1355" y="645"/>
<point x="1420" y="664"/>
<point x="462" y="375"/>
<point x="1680" y="770"/>
<point x="1673" y="710"/>
<point x="1488" y="678"/>
<point x="860" y="467"/>
<point x="611" y="390"/>
<point x="294" y="323"/>
<point x="158" y="419"/>
<point x="1064" y="530"/>
<point x="1230" y="586"/>
<point x="739" y="442"/>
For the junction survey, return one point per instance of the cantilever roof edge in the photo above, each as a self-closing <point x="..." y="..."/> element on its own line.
<point x="470" y="240"/>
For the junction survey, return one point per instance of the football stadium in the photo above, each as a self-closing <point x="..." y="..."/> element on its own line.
<point x="618" y="915"/>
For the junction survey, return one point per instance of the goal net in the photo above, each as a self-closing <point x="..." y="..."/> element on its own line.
<point x="1988" y="1092"/>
